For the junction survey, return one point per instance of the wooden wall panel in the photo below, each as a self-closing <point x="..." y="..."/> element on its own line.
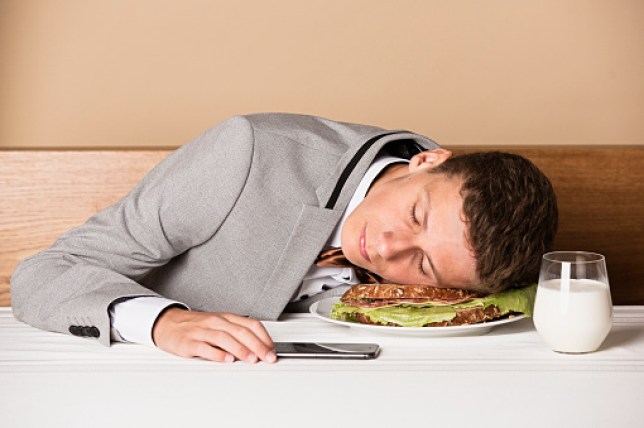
<point x="45" y="193"/>
<point x="600" y="192"/>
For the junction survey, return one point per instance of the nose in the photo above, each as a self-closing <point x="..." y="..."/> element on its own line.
<point x="391" y="245"/>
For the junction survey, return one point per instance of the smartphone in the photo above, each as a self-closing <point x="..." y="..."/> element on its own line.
<point x="353" y="351"/>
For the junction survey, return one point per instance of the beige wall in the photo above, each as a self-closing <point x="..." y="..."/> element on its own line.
<point x="157" y="73"/>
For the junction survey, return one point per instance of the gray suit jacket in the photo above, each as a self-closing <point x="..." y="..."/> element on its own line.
<point x="229" y="222"/>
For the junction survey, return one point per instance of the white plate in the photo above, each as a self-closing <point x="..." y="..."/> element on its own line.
<point x="322" y="309"/>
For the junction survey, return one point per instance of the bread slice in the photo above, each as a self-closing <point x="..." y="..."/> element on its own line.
<point x="398" y="291"/>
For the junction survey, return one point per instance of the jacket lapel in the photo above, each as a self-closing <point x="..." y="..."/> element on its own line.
<point x="313" y="228"/>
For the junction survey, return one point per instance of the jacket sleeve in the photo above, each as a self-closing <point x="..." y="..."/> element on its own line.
<point x="180" y="204"/>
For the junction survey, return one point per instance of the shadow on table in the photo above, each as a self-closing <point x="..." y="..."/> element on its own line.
<point x="622" y="336"/>
<point x="520" y="326"/>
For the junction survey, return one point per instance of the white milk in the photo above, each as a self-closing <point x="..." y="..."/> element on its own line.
<point x="576" y="321"/>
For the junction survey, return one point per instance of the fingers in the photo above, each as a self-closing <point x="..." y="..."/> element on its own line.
<point x="237" y="343"/>
<point x="253" y="325"/>
<point x="207" y="352"/>
<point x="245" y="343"/>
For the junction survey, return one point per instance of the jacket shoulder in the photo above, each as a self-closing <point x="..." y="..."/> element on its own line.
<point x="322" y="133"/>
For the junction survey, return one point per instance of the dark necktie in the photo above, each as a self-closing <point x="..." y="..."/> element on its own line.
<point x="334" y="257"/>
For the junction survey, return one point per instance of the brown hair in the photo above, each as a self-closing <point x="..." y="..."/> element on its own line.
<point x="511" y="212"/>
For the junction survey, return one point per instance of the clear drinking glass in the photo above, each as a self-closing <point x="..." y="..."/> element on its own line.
<point x="573" y="312"/>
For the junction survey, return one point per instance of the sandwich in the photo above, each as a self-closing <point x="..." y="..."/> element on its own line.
<point x="427" y="306"/>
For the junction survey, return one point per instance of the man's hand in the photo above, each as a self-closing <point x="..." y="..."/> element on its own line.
<point x="213" y="336"/>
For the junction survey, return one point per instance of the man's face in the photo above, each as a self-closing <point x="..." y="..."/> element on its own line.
<point x="409" y="229"/>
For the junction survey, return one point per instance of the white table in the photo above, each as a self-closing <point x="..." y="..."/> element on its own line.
<point x="505" y="378"/>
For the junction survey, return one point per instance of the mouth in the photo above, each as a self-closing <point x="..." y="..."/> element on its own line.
<point x="363" y="244"/>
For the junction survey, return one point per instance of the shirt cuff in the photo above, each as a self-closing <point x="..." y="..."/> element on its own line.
<point x="132" y="320"/>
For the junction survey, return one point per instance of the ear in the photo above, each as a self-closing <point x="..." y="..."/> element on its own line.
<point x="428" y="159"/>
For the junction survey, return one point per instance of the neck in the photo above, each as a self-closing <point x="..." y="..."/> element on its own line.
<point x="391" y="172"/>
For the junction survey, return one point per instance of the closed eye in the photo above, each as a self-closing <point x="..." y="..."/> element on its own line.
<point x="420" y="265"/>
<point x="412" y="215"/>
<point x="414" y="220"/>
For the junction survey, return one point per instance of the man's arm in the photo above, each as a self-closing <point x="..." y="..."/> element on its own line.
<point x="213" y="336"/>
<point x="180" y="204"/>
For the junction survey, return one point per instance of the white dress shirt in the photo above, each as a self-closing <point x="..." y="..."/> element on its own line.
<point x="132" y="320"/>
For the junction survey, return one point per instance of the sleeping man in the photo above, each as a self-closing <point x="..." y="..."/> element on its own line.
<point x="229" y="230"/>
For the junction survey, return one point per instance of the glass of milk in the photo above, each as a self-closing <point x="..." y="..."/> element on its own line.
<point x="573" y="312"/>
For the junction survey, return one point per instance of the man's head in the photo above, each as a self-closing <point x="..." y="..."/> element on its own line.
<point x="477" y="221"/>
